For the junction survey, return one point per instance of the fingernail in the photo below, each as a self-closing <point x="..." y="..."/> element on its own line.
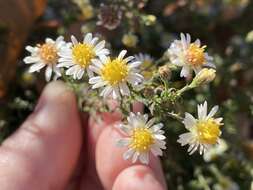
<point x="51" y="91"/>
<point x="140" y="177"/>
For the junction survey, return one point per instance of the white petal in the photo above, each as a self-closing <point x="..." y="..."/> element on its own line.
<point x="99" y="46"/>
<point x="129" y="153"/>
<point x="97" y="63"/>
<point x="115" y="92"/>
<point x="90" y="73"/>
<point x="185" y="138"/>
<point x="94" y="69"/>
<point x="156" y="150"/>
<point x="150" y="122"/>
<point x="103" y="52"/>
<point x="135" y="64"/>
<point x="87" y="38"/>
<point x="31" y="59"/>
<point x="194" y="149"/>
<point x="104" y="59"/>
<point x="183" y="40"/>
<point x="94" y="41"/>
<point x="122" y="54"/>
<point x="64" y="64"/>
<point x="95" y="80"/>
<point x="36" y="67"/>
<point x="185" y="72"/>
<point x="124" y="90"/>
<point x="72" y="70"/>
<point x="106" y="91"/>
<point x="189" y="121"/>
<point x="74" y="40"/>
<point x="48" y="73"/>
<point x="80" y="73"/>
<point x="160" y="137"/>
<point x="144" y="158"/>
<point x="156" y="127"/>
<point x="202" y="111"/>
<point x="99" y="84"/>
<point x="49" y="40"/>
<point x="129" y="58"/>
<point x="213" y="111"/>
<point x="59" y="39"/>
<point x="125" y="128"/>
<point x="135" y="157"/>
<point x="188" y="38"/>
<point x="197" y="42"/>
<point x="218" y="120"/>
<point x="30" y="49"/>
<point x="123" y="142"/>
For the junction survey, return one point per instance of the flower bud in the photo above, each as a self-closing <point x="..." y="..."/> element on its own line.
<point x="205" y="76"/>
<point x="165" y="72"/>
<point x="148" y="92"/>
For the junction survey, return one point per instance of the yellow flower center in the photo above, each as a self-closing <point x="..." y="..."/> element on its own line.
<point x="82" y="54"/>
<point x="48" y="53"/>
<point x="195" y="55"/>
<point x="115" y="71"/>
<point x="148" y="69"/>
<point x="141" y="139"/>
<point x="208" y="131"/>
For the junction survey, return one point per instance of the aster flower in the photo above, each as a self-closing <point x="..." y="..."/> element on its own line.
<point x="204" y="132"/>
<point x="142" y="138"/>
<point x="189" y="55"/>
<point x="114" y="74"/>
<point x="147" y="67"/>
<point x="45" y="55"/>
<point x="79" y="56"/>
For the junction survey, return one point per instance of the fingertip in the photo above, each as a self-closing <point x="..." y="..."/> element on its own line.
<point x="137" y="177"/>
<point x="110" y="162"/>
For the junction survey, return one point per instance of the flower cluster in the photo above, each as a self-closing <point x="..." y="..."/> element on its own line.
<point x="89" y="61"/>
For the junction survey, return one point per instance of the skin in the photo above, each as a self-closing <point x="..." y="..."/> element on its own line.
<point x="58" y="148"/>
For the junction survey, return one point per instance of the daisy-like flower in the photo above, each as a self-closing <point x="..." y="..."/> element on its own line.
<point x="45" y="55"/>
<point x="147" y="67"/>
<point x="114" y="74"/>
<point x="142" y="138"/>
<point x="79" y="56"/>
<point x="204" y="132"/>
<point x="189" y="55"/>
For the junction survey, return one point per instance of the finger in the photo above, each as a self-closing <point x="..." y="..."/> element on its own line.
<point x="137" y="177"/>
<point x="42" y="153"/>
<point x="110" y="162"/>
<point x="96" y="126"/>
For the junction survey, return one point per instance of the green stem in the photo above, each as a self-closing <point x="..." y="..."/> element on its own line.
<point x="184" y="89"/>
<point x="175" y="116"/>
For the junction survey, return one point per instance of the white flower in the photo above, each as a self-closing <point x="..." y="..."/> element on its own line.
<point x="147" y="67"/>
<point x="114" y="74"/>
<point x="142" y="138"/>
<point x="79" y="56"/>
<point x="145" y="58"/>
<point x="204" y="132"/>
<point x="45" y="55"/>
<point x="215" y="151"/>
<point x="190" y="56"/>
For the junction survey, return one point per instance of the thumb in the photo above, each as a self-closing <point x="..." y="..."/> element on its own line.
<point x="43" y="152"/>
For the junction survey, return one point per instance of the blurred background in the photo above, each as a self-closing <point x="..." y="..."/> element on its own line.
<point x="147" y="26"/>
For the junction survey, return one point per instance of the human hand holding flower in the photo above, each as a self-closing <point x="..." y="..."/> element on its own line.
<point x="56" y="149"/>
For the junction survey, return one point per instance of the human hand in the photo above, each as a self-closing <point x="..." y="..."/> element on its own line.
<point x="56" y="148"/>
